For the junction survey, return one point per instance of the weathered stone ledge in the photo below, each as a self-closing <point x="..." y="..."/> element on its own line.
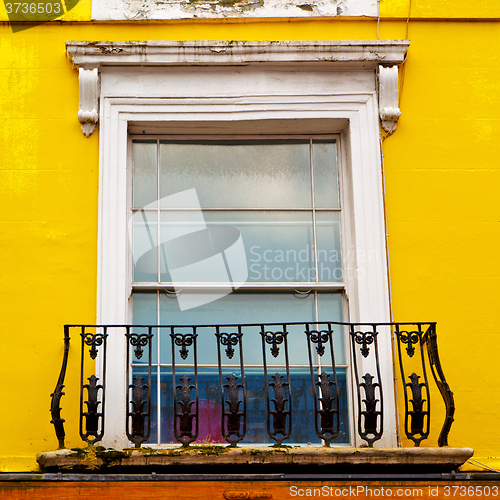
<point x="105" y="459"/>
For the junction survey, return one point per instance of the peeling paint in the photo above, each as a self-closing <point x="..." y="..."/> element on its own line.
<point x="179" y="9"/>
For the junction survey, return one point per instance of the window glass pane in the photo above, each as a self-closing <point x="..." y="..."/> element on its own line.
<point x="329" y="247"/>
<point x="145" y="177"/>
<point x="242" y="174"/>
<point x="326" y="184"/>
<point x="185" y="246"/>
<point x="145" y="246"/>
<point x="279" y="245"/>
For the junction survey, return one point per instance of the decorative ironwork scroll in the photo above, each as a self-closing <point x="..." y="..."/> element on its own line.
<point x="229" y="340"/>
<point x="55" y="404"/>
<point x="280" y="417"/>
<point x="410" y="339"/>
<point x="430" y="339"/>
<point x="183" y="340"/>
<point x="92" y="430"/>
<point x="274" y="339"/>
<point x="184" y="415"/>
<point x="186" y="421"/>
<point x="138" y="341"/>
<point x="371" y="414"/>
<point x="92" y="415"/>
<point x="94" y="341"/>
<point x="416" y="393"/>
<point x="418" y="413"/>
<point x="138" y="411"/>
<point x="364" y="339"/>
<point x="326" y="389"/>
<point x="233" y="394"/>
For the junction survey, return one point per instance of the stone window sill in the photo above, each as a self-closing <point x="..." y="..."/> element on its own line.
<point x="191" y="459"/>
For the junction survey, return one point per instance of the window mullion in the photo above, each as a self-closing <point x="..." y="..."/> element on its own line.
<point x="313" y="211"/>
<point x="158" y="208"/>
<point x="158" y="347"/>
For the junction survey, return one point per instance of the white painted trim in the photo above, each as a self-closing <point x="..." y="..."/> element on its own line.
<point x="368" y="303"/>
<point x="113" y="280"/>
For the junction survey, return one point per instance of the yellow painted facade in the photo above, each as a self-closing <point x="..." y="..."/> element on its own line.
<point x="442" y="177"/>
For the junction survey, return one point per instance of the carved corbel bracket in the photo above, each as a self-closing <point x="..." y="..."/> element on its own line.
<point x="88" y="113"/>
<point x="388" y="98"/>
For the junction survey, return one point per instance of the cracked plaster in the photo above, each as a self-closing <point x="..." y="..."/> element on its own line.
<point x="186" y="9"/>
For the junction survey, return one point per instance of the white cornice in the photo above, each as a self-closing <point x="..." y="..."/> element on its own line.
<point x="93" y="57"/>
<point x="165" y="53"/>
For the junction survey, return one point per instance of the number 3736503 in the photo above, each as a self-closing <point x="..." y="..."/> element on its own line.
<point x="34" y="8"/>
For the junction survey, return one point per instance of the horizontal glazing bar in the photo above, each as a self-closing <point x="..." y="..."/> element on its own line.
<point x="253" y="286"/>
<point x="223" y="137"/>
<point x="249" y="209"/>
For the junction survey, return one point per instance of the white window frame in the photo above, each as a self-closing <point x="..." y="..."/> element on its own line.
<point x="190" y="84"/>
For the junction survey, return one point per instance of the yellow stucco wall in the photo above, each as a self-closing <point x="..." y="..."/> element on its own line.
<point x="444" y="9"/>
<point x="442" y="177"/>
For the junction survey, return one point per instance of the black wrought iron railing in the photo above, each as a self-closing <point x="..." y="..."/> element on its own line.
<point x="172" y="398"/>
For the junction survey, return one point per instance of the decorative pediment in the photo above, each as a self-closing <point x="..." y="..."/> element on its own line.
<point x="381" y="55"/>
